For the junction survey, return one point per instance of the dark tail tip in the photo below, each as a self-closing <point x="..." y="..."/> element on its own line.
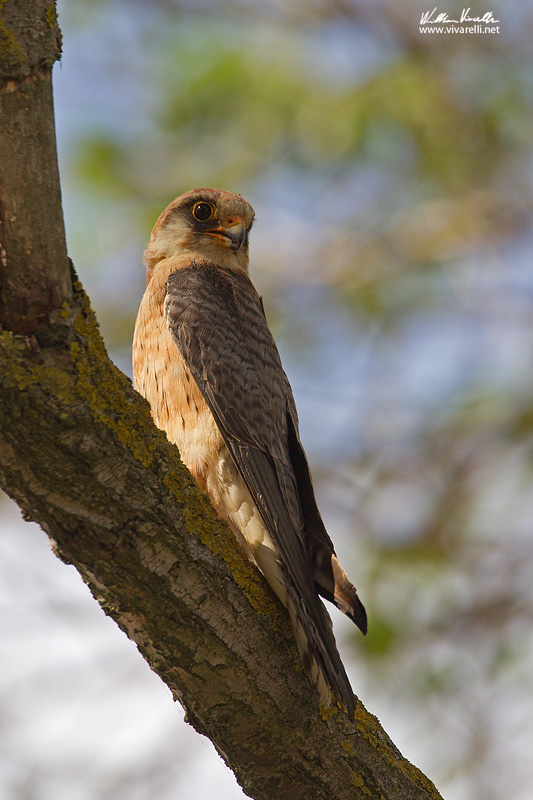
<point x="358" y="615"/>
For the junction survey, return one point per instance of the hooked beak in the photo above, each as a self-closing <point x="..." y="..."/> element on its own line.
<point x="232" y="234"/>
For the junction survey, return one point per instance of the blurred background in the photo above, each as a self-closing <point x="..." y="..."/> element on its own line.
<point x="392" y="176"/>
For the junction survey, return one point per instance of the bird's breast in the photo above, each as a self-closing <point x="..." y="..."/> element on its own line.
<point x="162" y="377"/>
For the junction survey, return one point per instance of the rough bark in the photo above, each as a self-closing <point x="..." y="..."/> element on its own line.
<point x="80" y="454"/>
<point x="31" y="222"/>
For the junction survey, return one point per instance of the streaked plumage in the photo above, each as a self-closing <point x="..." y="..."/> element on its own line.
<point x="204" y="357"/>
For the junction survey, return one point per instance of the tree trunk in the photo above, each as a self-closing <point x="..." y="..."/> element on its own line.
<point x="80" y="454"/>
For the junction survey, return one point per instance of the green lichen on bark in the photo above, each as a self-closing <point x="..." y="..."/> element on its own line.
<point x="358" y="782"/>
<point x="30" y="38"/>
<point x="50" y="15"/>
<point x="11" y="53"/>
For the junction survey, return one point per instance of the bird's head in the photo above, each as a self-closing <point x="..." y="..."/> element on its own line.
<point x="207" y="224"/>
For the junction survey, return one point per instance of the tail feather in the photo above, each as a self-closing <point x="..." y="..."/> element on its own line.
<point x="319" y="655"/>
<point x="313" y="632"/>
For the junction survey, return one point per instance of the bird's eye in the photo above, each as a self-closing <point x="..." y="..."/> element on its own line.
<point x="202" y="211"/>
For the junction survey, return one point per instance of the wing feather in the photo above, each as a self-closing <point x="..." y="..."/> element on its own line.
<point x="216" y="319"/>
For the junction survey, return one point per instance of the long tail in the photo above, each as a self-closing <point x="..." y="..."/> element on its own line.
<point x="313" y="632"/>
<point x="318" y="651"/>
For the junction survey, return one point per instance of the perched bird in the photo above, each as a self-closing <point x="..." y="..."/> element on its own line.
<point x="206" y="361"/>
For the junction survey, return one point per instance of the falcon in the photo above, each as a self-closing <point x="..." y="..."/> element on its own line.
<point x="206" y="361"/>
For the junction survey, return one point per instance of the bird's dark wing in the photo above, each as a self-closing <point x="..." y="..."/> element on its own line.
<point x="217" y="322"/>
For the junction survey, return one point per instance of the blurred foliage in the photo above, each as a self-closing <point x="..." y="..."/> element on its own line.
<point x="392" y="174"/>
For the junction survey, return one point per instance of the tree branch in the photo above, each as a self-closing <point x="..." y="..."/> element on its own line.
<point x="34" y="278"/>
<point x="80" y="454"/>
